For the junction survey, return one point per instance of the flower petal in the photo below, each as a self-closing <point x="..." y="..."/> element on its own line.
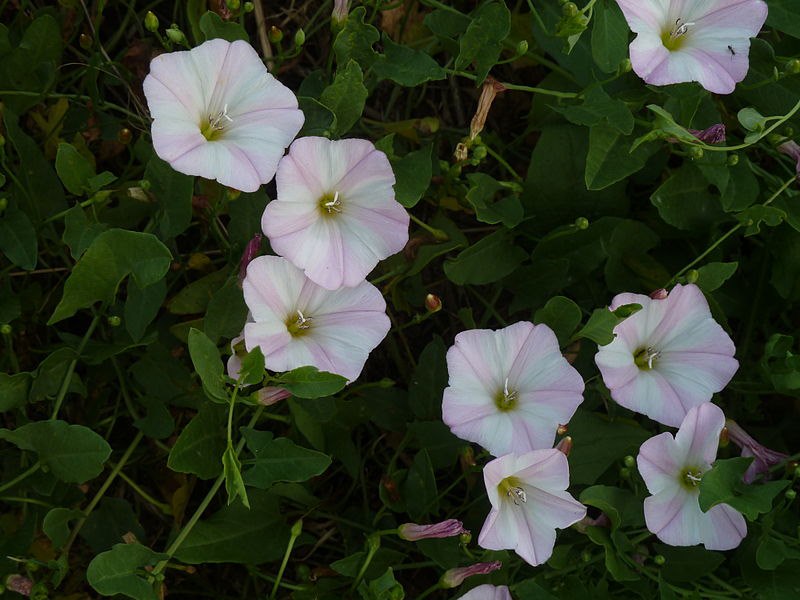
<point x="699" y="433"/>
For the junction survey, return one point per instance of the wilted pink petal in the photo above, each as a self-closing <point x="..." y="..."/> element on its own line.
<point x="19" y="584"/>
<point x="679" y="41"/>
<point x="659" y="294"/>
<point x="455" y="577"/>
<point x="711" y="135"/>
<point x="668" y="357"/>
<point x="413" y="532"/>
<point x="764" y="457"/>
<point x="791" y="149"/>
<point x="509" y="389"/>
<point x="672" y="468"/>
<point x="339" y="13"/>
<point x="335" y="215"/>
<point x="529" y="502"/>
<point x="219" y="114"/>
<point x="252" y="250"/>
<point x="297" y="323"/>
<point x="487" y="592"/>
<point x="272" y="395"/>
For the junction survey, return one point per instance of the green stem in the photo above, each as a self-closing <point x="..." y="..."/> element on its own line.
<point x="162" y="506"/>
<point x="373" y="543"/>
<point x="708" y="251"/>
<point x="71" y="369"/>
<point x="10" y="351"/>
<point x="538" y="90"/>
<point x="24" y="475"/>
<point x="297" y="529"/>
<point x="504" y="163"/>
<point x="429" y="591"/>
<point x="764" y="134"/>
<point x="438" y="234"/>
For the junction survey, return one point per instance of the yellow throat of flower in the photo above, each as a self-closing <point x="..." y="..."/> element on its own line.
<point x="674" y="37"/>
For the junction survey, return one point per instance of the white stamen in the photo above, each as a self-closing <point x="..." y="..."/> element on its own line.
<point x="693" y="478"/>
<point x="508" y="396"/>
<point x="334" y="205"/>
<point x="517" y="493"/>
<point x="216" y="122"/>
<point x="303" y="322"/>
<point x="651" y="356"/>
<point x="681" y="28"/>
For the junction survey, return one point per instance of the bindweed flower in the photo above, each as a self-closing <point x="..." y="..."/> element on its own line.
<point x="335" y="215"/>
<point x="219" y="114"/>
<point x="764" y="457"/>
<point x="487" y="592"/>
<point x="413" y="532"/>
<point x="509" y="389"/>
<point x="269" y="395"/>
<point x="672" y="468"/>
<point x="668" y="357"/>
<point x="296" y="323"/>
<point x="529" y="502"/>
<point x="679" y="41"/>
<point x="710" y="135"/>
<point x="455" y="577"/>
<point x="792" y="150"/>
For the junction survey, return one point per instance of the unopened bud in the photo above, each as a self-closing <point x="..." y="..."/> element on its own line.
<point x="85" y="41"/>
<point x="297" y="528"/>
<point x="625" y="66"/>
<point x="3" y="204"/>
<point x="724" y="437"/>
<point x="793" y="66"/>
<point x="775" y="139"/>
<point x="733" y="159"/>
<point x="562" y="430"/>
<point x="412" y="532"/>
<point x="124" y="136"/>
<point x="145" y="184"/>
<point x="695" y="152"/>
<point x="625" y="473"/>
<point x="176" y="36"/>
<point x="275" y="35"/>
<point x="479" y="152"/>
<point x="565" y="446"/>
<point x="467" y="458"/>
<point x="522" y="47"/>
<point x="465" y="538"/>
<point x="629" y="461"/>
<point x="569" y="9"/>
<point x="249" y="7"/>
<point x="272" y="395"/>
<point x="433" y="303"/>
<point x="151" y="22"/>
<point x="114" y="321"/>
<point x="659" y="294"/>
<point x="692" y="275"/>
<point x="5" y="329"/>
<point x="790" y="495"/>
<point x="339" y="14"/>
<point x="659" y="560"/>
<point x="582" y="223"/>
<point x="299" y="38"/>
<point x="233" y="5"/>
<point x="455" y="577"/>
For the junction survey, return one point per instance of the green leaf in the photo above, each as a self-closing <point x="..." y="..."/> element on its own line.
<point x="355" y="41"/>
<point x="50" y="374"/>
<point x="73" y="169"/>
<point x="621" y="506"/>
<point x="600" y="327"/>
<point x="684" y="201"/>
<point x="56" y="524"/>
<point x="73" y="453"/>
<point x="142" y="306"/>
<point x="784" y="15"/>
<point x="688" y="564"/>
<point x="279" y="460"/>
<point x="79" y="233"/>
<point x="309" y="382"/>
<point x="113" y="255"/>
<point x="226" y="312"/>
<point x="406" y="66"/>
<point x="609" y="36"/>
<point x="252" y="370"/>
<point x="173" y="192"/>
<point x="157" y="422"/>
<point x="598" y="108"/>
<point x="200" y="445"/>
<point x="562" y="315"/>
<point x="610" y="158"/>
<point x="428" y="382"/>
<point x="496" y="249"/>
<point x="772" y="552"/>
<point x="482" y="41"/>
<point x="483" y="188"/>
<point x="413" y="175"/>
<point x="419" y="489"/>
<point x="212" y="26"/>
<point x="234" y="484"/>
<point x="208" y="365"/>
<point x="723" y="485"/>
<point x="18" y="239"/>
<point x="194" y="298"/>
<point x="614" y="564"/>
<point x="13" y="390"/>
<point x="237" y="534"/>
<point x="121" y="571"/>
<point x="384" y="587"/>
<point x="345" y="98"/>
<point x="713" y="275"/>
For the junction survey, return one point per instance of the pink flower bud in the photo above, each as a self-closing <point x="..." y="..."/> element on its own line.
<point x="454" y="577"/>
<point x="339" y="14"/>
<point x="272" y="395"/>
<point x="413" y="532"/>
<point x="764" y="457"/>
<point x="250" y="252"/>
<point x="565" y="446"/>
<point x="433" y="303"/>
<point x="659" y="294"/>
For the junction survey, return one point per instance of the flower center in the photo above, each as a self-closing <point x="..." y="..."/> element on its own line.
<point x="505" y="399"/>
<point x="512" y="488"/>
<point x="298" y="323"/>
<point x="216" y="123"/>
<point x="644" y="357"/>
<point x="690" y="478"/>
<point x="674" y="38"/>
<point x="330" y="204"/>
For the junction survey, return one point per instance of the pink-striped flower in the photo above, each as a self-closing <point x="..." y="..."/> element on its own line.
<point x="219" y="114"/>
<point x="509" y="389"/>
<point x="455" y="577"/>
<point x="529" y="502"/>
<point x="297" y="323"/>
<point x="668" y="357"/>
<point x="706" y="41"/>
<point x="448" y="528"/>
<point x="672" y="468"/>
<point x="335" y="215"/>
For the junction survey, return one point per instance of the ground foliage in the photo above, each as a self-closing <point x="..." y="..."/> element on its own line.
<point x="119" y="294"/>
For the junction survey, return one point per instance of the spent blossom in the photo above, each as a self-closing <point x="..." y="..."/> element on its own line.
<point x="529" y="502"/>
<point x="218" y="113"/>
<point x="668" y="357"/>
<point x="335" y="215"/>
<point x="764" y="457"/>
<point x="679" y="41"/>
<point x="448" y="528"/>
<point x="456" y="576"/>
<point x="297" y="323"/>
<point x="715" y="134"/>
<point x="509" y="389"/>
<point x="672" y="468"/>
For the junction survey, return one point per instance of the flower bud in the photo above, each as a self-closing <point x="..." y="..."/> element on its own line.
<point x="151" y="22"/>
<point x="629" y="461"/>
<point x="145" y="184"/>
<point x="793" y="66"/>
<point x="625" y="66"/>
<point x="433" y="303"/>
<point x="339" y="14"/>
<point x="659" y="294"/>
<point x="252" y="250"/>
<point x="625" y="473"/>
<point x="724" y="437"/>
<point x="582" y="223"/>
<point x="659" y="560"/>
<point x="3" y="204"/>
<point x="522" y="47"/>
<point x="85" y="41"/>
<point x="5" y="329"/>
<point x="114" y="321"/>
<point x="692" y="275"/>
<point x="465" y="538"/>
<point x="569" y="9"/>
<point x="272" y="395"/>
<point x="565" y="445"/>
<point x="479" y="152"/>
<point x="455" y="577"/>
<point x="695" y="153"/>
<point x="790" y="495"/>
<point x="412" y="532"/>
<point x="124" y="136"/>
<point x="176" y="36"/>
<point x="299" y="37"/>
<point x="249" y="7"/>
<point x="733" y="159"/>
<point x="233" y="5"/>
<point x="275" y="35"/>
